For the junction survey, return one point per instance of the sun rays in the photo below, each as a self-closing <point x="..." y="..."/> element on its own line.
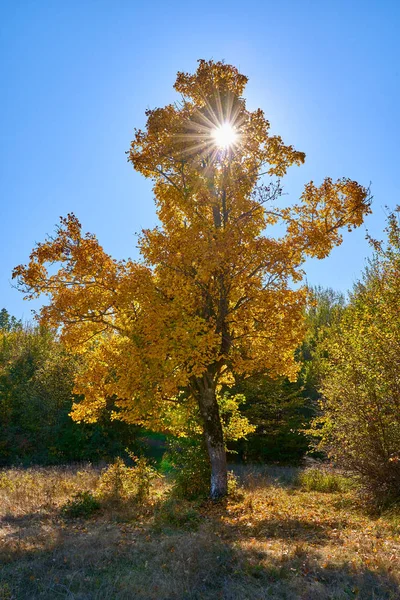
<point x="225" y="136"/>
<point x="213" y="132"/>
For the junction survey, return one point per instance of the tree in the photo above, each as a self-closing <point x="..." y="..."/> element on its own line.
<point x="36" y="380"/>
<point x="324" y="310"/>
<point x="212" y="296"/>
<point x="279" y="409"/>
<point x="361" y="385"/>
<point x="8" y="322"/>
<point x="279" y="412"/>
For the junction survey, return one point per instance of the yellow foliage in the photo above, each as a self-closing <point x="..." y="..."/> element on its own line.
<point x="213" y="294"/>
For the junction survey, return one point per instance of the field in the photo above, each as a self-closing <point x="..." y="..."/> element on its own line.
<point x="273" y="538"/>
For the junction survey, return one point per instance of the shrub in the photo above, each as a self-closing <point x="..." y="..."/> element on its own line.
<point x="191" y="468"/>
<point x="233" y="484"/>
<point x="177" y="514"/>
<point x="361" y="386"/>
<point x="318" y="480"/>
<point x="119" y="483"/>
<point x="144" y="475"/>
<point x="82" y="504"/>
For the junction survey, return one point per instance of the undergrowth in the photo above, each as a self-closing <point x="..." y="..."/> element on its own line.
<point x="270" y="539"/>
<point x="320" y="480"/>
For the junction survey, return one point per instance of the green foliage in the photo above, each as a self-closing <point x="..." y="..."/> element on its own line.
<point x="360" y="428"/>
<point x="8" y="322"/>
<point x="324" y="311"/>
<point x="278" y="410"/>
<point x="36" y="395"/>
<point x="319" y="480"/>
<point x="282" y="410"/>
<point x="5" y="591"/>
<point x="191" y="468"/>
<point x="81" y="505"/>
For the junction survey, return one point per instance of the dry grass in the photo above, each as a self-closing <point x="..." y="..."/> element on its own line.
<point x="272" y="541"/>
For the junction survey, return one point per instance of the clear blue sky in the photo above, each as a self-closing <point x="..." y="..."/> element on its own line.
<point x="77" y="76"/>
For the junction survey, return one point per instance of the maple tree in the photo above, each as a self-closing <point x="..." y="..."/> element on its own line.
<point x="212" y="296"/>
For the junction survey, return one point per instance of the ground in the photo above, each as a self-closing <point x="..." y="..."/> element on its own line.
<point x="271" y="540"/>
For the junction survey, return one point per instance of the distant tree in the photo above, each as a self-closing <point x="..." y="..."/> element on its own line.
<point x="36" y="379"/>
<point x="36" y="382"/>
<point x="213" y="296"/>
<point x="8" y="322"/>
<point x="361" y="386"/>
<point x="324" y="310"/>
<point x="279" y="411"/>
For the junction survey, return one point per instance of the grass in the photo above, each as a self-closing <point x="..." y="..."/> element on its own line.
<point x="274" y="539"/>
<point x="323" y="480"/>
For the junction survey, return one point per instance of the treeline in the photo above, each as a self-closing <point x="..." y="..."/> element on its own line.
<point x="36" y="395"/>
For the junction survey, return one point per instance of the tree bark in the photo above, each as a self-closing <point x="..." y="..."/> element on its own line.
<point x="213" y="433"/>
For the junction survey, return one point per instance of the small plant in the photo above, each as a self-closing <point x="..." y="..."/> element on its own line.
<point x="233" y="485"/>
<point x="178" y="514"/>
<point x="82" y="504"/>
<point x="317" y="480"/>
<point x="144" y="475"/>
<point x="5" y="592"/>
<point x="119" y="483"/>
<point x="6" y="483"/>
<point x="191" y="468"/>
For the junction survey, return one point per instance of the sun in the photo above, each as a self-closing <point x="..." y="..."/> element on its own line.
<point x="225" y="136"/>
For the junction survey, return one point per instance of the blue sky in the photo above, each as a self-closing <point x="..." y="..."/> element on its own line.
<point x="77" y="76"/>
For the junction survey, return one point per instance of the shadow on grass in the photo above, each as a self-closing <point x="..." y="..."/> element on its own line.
<point x="21" y="520"/>
<point x="288" y="529"/>
<point x="97" y="559"/>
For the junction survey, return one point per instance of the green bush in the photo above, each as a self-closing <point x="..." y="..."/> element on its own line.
<point x="36" y="394"/>
<point x="279" y="411"/>
<point x="360" y="425"/>
<point x="318" y="480"/>
<point x="189" y="463"/>
<point x="81" y="505"/>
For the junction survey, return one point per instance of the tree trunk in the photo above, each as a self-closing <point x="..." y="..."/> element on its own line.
<point x="209" y="410"/>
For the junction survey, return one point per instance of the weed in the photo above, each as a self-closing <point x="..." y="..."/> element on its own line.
<point x="177" y="514"/>
<point x="7" y="484"/>
<point x="144" y="475"/>
<point x="81" y="505"/>
<point x="119" y="483"/>
<point x="234" y="489"/>
<point x="5" y="592"/>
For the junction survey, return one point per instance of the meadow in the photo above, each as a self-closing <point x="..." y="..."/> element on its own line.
<point x="283" y="534"/>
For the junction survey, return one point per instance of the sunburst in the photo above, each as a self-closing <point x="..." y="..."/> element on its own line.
<point x="225" y="136"/>
<point x="214" y="132"/>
